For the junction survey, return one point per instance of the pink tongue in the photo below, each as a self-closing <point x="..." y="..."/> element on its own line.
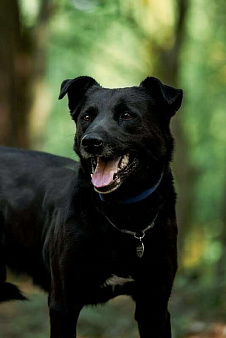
<point x="104" y="173"/>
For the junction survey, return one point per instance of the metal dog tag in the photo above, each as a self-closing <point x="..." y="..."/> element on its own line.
<point x="140" y="248"/>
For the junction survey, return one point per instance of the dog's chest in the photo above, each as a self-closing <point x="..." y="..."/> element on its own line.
<point x="115" y="266"/>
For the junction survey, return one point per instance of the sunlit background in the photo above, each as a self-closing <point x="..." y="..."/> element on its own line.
<point x="119" y="43"/>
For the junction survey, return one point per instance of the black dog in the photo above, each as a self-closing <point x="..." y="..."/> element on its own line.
<point x="86" y="240"/>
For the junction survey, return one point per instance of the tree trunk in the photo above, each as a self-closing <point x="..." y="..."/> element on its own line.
<point x="22" y="61"/>
<point x="168" y="68"/>
<point x="14" y="73"/>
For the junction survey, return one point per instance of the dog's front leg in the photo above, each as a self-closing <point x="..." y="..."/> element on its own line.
<point x="153" y="317"/>
<point x="63" y="319"/>
<point x="63" y="306"/>
<point x="151" y="297"/>
<point x="152" y="314"/>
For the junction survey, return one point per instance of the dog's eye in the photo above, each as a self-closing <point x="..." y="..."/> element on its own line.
<point x="126" y="116"/>
<point x="86" y="117"/>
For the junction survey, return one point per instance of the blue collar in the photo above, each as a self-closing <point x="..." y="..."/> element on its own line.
<point x="146" y="193"/>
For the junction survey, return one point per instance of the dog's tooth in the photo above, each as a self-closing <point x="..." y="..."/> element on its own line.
<point x="124" y="161"/>
<point x="126" y="158"/>
<point x="118" y="180"/>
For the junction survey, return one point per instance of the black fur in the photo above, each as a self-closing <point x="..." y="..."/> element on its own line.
<point x="54" y="227"/>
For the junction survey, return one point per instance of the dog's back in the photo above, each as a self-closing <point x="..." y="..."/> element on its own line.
<point x="31" y="185"/>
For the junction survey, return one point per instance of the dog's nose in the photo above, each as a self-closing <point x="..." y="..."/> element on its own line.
<point x="92" y="144"/>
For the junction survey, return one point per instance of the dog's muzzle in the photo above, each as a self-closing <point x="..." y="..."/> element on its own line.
<point x="109" y="170"/>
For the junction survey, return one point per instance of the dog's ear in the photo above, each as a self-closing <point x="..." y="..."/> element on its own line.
<point x="76" y="89"/>
<point x="164" y="95"/>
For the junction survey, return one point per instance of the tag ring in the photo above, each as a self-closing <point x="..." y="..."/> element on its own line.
<point x="139" y="237"/>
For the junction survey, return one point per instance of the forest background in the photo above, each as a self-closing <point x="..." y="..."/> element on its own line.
<point x="119" y="43"/>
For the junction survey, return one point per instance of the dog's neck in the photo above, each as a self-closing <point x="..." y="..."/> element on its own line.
<point x="137" y="198"/>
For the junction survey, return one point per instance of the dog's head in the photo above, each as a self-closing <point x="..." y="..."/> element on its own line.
<point x="122" y="134"/>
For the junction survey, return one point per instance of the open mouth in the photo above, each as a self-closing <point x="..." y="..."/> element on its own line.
<point x="109" y="173"/>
